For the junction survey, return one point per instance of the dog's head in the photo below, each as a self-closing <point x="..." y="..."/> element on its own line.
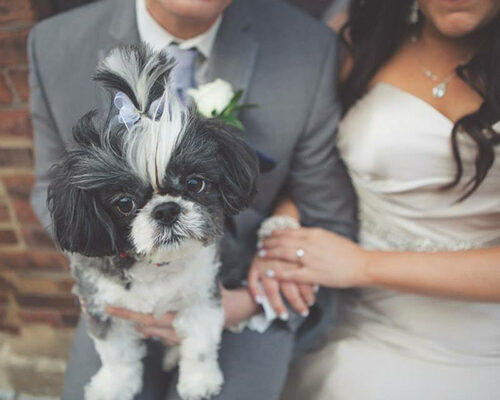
<point x="156" y="180"/>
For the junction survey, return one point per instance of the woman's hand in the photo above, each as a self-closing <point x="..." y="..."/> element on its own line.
<point x="300" y="296"/>
<point x="238" y="306"/>
<point x="328" y="259"/>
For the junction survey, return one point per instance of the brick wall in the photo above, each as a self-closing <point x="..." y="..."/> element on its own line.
<point x="34" y="280"/>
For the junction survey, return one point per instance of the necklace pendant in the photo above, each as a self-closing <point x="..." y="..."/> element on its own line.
<point x="439" y="91"/>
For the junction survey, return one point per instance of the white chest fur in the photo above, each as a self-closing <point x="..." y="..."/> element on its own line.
<point x="155" y="289"/>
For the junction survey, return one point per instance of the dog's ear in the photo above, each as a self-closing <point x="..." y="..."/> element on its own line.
<point x="79" y="221"/>
<point x="241" y="168"/>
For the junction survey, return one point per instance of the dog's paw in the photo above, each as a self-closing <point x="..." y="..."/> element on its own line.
<point x="171" y="358"/>
<point x="117" y="384"/>
<point x="200" y="383"/>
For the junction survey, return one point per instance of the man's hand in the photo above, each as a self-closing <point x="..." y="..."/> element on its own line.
<point x="300" y="296"/>
<point x="238" y="306"/>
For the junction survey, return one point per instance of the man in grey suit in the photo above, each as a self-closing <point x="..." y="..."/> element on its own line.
<point x="286" y="63"/>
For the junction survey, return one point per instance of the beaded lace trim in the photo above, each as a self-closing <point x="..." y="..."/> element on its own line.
<point x="397" y="239"/>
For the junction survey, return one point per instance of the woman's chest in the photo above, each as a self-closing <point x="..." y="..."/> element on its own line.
<point x="391" y="135"/>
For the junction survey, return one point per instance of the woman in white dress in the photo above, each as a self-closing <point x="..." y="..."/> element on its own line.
<point x="421" y="145"/>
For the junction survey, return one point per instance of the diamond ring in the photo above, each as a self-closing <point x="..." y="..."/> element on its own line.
<point x="300" y="254"/>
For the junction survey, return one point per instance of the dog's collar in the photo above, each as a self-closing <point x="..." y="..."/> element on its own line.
<point x="126" y="256"/>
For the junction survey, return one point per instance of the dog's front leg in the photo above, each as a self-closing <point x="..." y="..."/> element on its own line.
<point x="200" y="327"/>
<point x="121" y="351"/>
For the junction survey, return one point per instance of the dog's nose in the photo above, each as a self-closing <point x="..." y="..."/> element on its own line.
<point x="167" y="213"/>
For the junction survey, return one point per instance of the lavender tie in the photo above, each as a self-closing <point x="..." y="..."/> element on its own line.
<point x="183" y="73"/>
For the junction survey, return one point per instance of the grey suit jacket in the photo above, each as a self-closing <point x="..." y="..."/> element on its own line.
<point x="283" y="60"/>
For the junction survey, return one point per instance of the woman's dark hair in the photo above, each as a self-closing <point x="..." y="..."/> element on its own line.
<point x="377" y="28"/>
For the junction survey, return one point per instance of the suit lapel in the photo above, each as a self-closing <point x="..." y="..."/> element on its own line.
<point x="235" y="50"/>
<point x="123" y="25"/>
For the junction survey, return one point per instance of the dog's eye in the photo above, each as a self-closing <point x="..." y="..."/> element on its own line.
<point x="125" y="205"/>
<point x="195" y="185"/>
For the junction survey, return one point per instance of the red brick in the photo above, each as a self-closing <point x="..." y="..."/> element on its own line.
<point x="6" y="285"/>
<point x="46" y="283"/>
<point x="43" y="301"/>
<point x="6" y="326"/>
<point x="4" y="213"/>
<point x="44" y="8"/>
<point x="21" y="158"/>
<point x="36" y="238"/>
<point x="50" y="317"/>
<point x="19" y="78"/>
<point x="33" y="260"/>
<point x="19" y="186"/>
<point x="15" y="123"/>
<point x="13" y="45"/>
<point x="24" y="213"/>
<point x="5" y="94"/>
<point x="7" y="237"/>
<point x="70" y="318"/>
<point x="40" y="283"/>
<point x="65" y="285"/>
<point x="15" y="10"/>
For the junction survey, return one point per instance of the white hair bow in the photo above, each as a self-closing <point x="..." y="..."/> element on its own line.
<point x="128" y="114"/>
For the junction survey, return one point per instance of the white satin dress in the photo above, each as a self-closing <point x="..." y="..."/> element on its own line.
<point x="391" y="345"/>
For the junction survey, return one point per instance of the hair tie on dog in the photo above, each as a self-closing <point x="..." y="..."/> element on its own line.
<point x="128" y="114"/>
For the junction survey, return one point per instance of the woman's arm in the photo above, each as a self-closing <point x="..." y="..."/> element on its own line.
<point x="472" y="274"/>
<point x="331" y="260"/>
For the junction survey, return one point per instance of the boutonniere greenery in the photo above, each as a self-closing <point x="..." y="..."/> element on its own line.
<point x="217" y="99"/>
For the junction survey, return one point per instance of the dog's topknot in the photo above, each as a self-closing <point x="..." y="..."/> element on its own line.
<point x="138" y="71"/>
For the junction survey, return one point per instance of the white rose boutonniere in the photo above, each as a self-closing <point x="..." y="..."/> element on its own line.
<point x="218" y="100"/>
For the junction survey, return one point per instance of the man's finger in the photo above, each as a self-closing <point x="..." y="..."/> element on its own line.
<point x="292" y="294"/>
<point x="83" y="304"/>
<point x="165" y="320"/>
<point x="167" y="335"/>
<point x="254" y="286"/>
<point x="307" y="293"/>
<point x="140" y="318"/>
<point x="273" y="294"/>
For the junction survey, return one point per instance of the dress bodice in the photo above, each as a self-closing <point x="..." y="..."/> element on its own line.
<point x="397" y="150"/>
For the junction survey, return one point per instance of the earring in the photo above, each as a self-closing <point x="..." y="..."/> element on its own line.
<point x="414" y="13"/>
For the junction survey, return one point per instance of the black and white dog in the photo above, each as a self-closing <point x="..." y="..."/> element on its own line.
<point x="140" y="207"/>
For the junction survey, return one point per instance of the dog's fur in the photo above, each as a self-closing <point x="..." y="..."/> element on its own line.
<point x="126" y="208"/>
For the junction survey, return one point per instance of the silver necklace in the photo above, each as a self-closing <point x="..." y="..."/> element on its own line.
<point x="438" y="91"/>
<point x="441" y="87"/>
